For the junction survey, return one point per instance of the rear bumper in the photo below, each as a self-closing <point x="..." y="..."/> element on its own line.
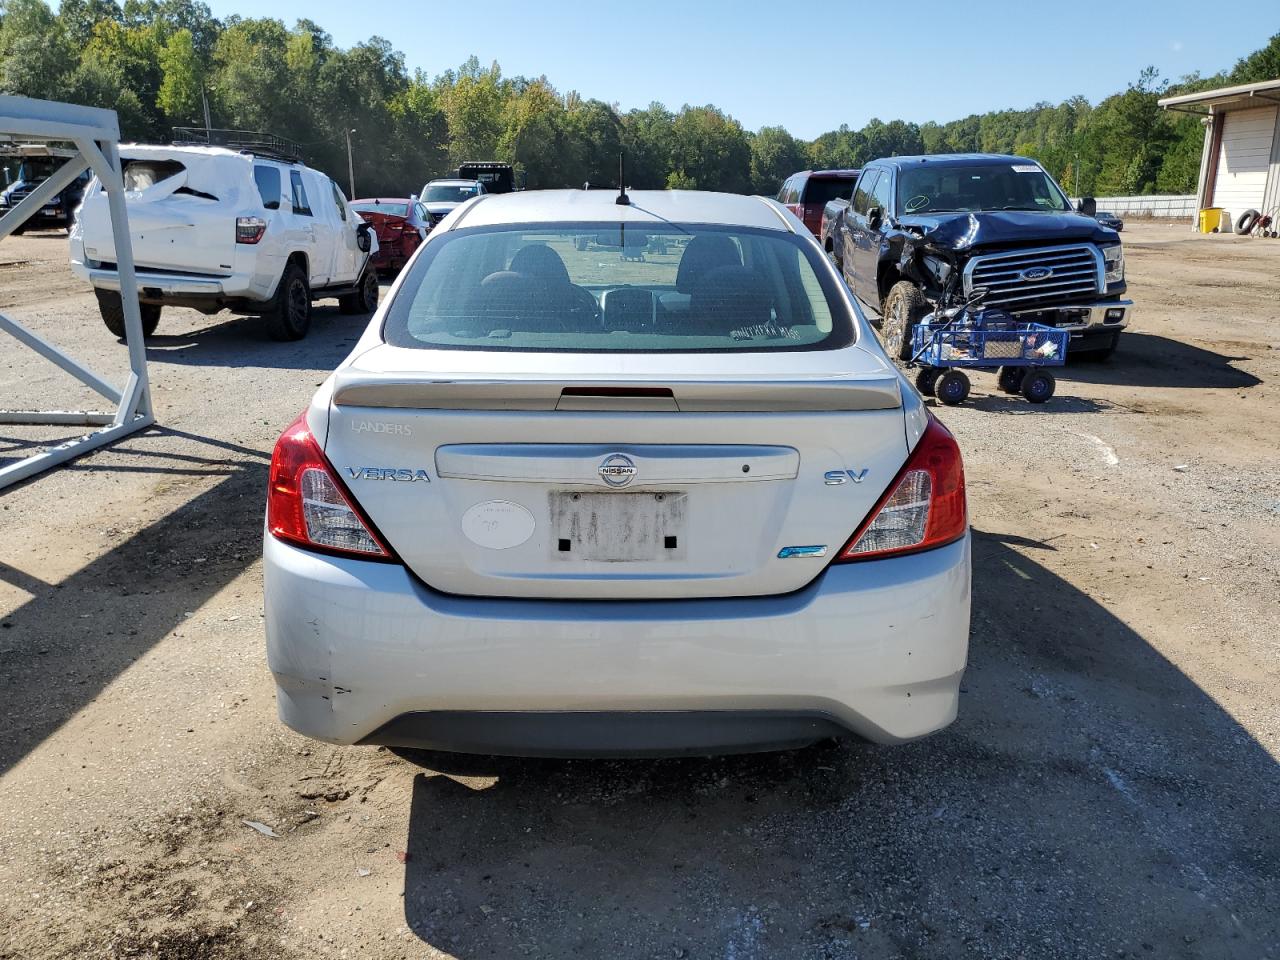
<point x="240" y="287"/>
<point x="364" y="653"/>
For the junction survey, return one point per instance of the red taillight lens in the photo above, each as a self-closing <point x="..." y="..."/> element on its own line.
<point x="923" y="508"/>
<point x="308" y="505"/>
<point x="250" y="229"/>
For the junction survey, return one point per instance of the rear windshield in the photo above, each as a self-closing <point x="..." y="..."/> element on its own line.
<point x="589" y="288"/>
<point x="140" y="174"/>
<point x="988" y="186"/>
<point x="391" y="209"/>
<point x="825" y="189"/>
<point x="450" y="193"/>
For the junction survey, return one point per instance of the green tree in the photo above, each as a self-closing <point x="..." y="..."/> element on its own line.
<point x="1262" y="64"/>
<point x="775" y="155"/>
<point x="711" y="148"/>
<point x="179" y="96"/>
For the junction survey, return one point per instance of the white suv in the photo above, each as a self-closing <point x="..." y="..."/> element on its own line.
<point x="611" y="477"/>
<point x="220" y="229"/>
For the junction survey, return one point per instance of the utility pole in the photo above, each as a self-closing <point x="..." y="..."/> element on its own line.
<point x="204" y="96"/>
<point x="1077" y="175"/>
<point x="351" y="169"/>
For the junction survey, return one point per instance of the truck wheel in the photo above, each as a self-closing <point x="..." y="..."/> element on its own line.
<point x="927" y="380"/>
<point x="1038" y="386"/>
<point x="290" y="315"/>
<point x="365" y="299"/>
<point x="904" y="307"/>
<point x="1010" y="379"/>
<point x="112" y="310"/>
<point x="952" y="388"/>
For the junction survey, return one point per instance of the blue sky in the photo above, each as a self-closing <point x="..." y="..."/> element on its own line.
<point x="807" y="66"/>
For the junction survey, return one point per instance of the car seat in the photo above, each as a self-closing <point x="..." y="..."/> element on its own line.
<point x="705" y="252"/>
<point x="728" y="299"/>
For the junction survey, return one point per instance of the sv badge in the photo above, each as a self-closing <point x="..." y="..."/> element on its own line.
<point x="833" y="478"/>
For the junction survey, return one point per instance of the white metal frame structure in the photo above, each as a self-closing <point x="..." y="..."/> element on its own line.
<point x="96" y="135"/>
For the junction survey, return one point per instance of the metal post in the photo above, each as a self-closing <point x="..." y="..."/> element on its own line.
<point x="351" y="170"/>
<point x="95" y="132"/>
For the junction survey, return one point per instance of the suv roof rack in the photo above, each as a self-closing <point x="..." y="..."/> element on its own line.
<point x="246" y="141"/>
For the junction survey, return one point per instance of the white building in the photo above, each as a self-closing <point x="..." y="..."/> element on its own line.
<point x="1240" y="166"/>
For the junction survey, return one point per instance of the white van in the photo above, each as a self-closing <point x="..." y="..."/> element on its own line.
<point x="220" y="229"/>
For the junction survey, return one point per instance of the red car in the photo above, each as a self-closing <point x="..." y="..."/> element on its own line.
<point x="807" y="192"/>
<point x="400" y="225"/>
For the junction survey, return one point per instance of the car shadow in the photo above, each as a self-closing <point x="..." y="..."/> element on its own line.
<point x="1149" y="360"/>
<point x="1091" y="800"/>
<point x="242" y="341"/>
<point x="62" y="647"/>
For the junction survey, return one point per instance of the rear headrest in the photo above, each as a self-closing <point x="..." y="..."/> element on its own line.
<point x="729" y="298"/>
<point x="705" y="252"/>
<point x="537" y="261"/>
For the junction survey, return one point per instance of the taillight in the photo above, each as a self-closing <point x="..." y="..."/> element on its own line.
<point x="308" y="505"/>
<point x="923" y="508"/>
<point x="250" y="229"/>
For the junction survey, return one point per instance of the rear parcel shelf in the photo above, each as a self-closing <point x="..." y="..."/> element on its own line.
<point x="674" y="396"/>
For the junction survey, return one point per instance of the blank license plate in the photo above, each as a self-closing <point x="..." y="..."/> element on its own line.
<point x="619" y="527"/>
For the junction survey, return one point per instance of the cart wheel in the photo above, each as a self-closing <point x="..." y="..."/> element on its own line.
<point x="952" y="388"/>
<point x="1010" y="380"/>
<point x="1038" y="385"/>
<point x="927" y="379"/>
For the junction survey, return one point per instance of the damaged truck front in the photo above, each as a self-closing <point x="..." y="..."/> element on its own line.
<point x="924" y="232"/>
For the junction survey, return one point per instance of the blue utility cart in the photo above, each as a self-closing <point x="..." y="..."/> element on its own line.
<point x="969" y="339"/>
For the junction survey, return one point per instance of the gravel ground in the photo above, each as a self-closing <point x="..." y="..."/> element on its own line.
<point x="1109" y="789"/>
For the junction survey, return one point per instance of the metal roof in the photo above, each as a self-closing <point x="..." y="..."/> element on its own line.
<point x="1267" y="91"/>
<point x="950" y="160"/>
<point x="647" y="207"/>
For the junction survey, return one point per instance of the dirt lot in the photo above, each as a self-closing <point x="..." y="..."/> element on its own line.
<point x="1110" y="788"/>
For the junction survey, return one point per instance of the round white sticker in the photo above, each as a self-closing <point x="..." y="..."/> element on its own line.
<point x="498" y="524"/>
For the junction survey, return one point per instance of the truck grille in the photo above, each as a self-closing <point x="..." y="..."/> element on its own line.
<point x="1073" y="272"/>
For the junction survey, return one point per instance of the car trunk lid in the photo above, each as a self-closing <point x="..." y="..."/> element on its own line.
<point x="622" y="478"/>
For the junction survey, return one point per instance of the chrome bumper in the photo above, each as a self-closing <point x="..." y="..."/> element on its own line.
<point x="168" y="284"/>
<point x="1102" y="314"/>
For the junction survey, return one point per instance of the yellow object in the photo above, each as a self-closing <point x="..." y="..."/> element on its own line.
<point x="1210" y="219"/>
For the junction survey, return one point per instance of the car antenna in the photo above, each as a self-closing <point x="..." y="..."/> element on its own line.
<point x="623" y="200"/>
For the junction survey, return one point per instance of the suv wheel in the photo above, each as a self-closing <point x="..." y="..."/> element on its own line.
<point x="365" y="299"/>
<point x="904" y="307"/>
<point x="290" y="315"/>
<point x="112" y="309"/>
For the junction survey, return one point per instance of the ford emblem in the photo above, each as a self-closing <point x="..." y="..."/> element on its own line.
<point x="1031" y="274"/>
<point x="617" y="470"/>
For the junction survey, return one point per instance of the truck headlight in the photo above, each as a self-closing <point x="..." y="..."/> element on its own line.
<point x="1114" y="259"/>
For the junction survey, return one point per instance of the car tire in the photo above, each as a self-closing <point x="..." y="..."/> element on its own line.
<point x="365" y="299"/>
<point x="927" y="380"/>
<point x="904" y="307"/>
<point x="1038" y="386"/>
<point x="290" y="315"/>
<point x="112" y="309"/>
<point x="1247" y="221"/>
<point x="952" y="388"/>
<point x="1010" y="379"/>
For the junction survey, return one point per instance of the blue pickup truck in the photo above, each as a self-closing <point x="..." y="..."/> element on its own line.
<point x="923" y="232"/>
<point x="24" y="173"/>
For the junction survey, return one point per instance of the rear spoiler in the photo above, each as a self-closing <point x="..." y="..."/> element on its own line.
<point x="672" y="396"/>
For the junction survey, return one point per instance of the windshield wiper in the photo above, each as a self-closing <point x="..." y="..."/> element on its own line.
<point x="1031" y="209"/>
